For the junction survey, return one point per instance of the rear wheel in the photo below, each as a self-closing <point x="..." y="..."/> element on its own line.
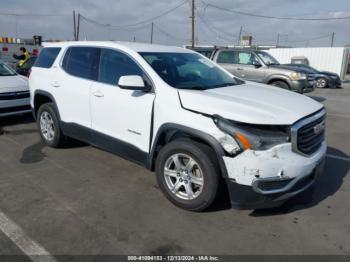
<point x="49" y="128"/>
<point x="321" y="82"/>
<point x="281" y="84"/>
<point x="187" y="174"/>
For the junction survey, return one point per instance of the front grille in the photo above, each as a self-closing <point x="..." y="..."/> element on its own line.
<point x="310" y="77"/>
<point x="311" y="134"/>
<point x="14" y="95"/>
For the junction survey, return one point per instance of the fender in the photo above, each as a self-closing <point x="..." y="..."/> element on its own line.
<point x="278" y="77"/>
<point x="210" y="140"/>
<point x="47" y="94"/>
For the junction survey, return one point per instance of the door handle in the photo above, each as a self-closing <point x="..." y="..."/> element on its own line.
<point x="238" y="68"/>
<point x="98" y="94"/>
<point x="55" y="84"/>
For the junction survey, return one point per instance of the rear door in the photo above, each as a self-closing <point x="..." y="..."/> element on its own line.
<point x="227" y="59"/>
<point x="71" y="86"/>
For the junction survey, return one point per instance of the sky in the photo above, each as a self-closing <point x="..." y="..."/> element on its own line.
<point x="213" y="26"/>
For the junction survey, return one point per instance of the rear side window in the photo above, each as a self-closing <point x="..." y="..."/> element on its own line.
<point x="82" y="62"/>
<point x="47" y="57"/>
<point x="227" y="57"/>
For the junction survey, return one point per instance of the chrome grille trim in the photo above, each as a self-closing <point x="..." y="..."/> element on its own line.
<point x="302" y="123"/>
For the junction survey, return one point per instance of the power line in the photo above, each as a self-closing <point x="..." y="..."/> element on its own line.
<point x="147" y="21"/>
<point x="32" y="14"/>
<point x="274" y="17"/>
<point x="169" y="35"/>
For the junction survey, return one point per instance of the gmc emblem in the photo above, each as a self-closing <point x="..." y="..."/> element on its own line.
<point x="319" y="127"/>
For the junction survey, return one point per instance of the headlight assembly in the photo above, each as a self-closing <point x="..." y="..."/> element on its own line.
<point x="253" y="137"/>
<point x="297" y="76"/>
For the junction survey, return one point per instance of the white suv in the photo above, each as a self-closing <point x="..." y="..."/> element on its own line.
<point x="172" y="110"/>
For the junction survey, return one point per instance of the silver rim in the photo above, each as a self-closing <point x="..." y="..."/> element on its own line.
<point x="183" y="176"/>
<point x="46" y="126"/>
<point x="321" y="83"/>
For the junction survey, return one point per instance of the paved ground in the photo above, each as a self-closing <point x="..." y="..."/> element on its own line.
<point x="81" y="200"/>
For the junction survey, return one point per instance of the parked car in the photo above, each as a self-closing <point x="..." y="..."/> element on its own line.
<point x="14" y="92"/>
<point x="25" y="69"/>
<point x="259" y="66"/>
<point x="323" y="79"/>
<point x="181" y="115"/>
<point x="206" y="51"/>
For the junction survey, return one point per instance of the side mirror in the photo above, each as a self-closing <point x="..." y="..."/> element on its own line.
<point x="257" y="64"/>
<point x="132" y="82"/>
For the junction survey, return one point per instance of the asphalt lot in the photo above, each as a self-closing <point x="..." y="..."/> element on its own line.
<point x="81" y="200"/>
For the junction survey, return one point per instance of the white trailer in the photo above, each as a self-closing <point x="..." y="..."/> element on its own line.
<point x="333" y="59"/>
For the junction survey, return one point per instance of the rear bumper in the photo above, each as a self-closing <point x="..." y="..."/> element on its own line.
<point x="273" y="193"/>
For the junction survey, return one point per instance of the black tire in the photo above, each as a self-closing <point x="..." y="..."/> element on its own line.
<point x="281" y="84"/>
<point x="321" y="82"/>
<point x="59" y="139"/>
<point x="206" y="160"/>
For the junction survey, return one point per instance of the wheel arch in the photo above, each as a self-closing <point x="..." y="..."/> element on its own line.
<point x="42" y="97"/>
<point x="169" y="132"/>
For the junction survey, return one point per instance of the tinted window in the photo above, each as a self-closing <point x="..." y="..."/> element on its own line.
<point x="47" y="57"/>
<point x="227" y="57"/>
<point x="114" y="64"/>
<point x="81" y="62"/>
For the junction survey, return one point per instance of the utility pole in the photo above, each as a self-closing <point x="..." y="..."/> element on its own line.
<point x="278" y="39"/>
<point x="332" y="41"/>
<point x="78" y="27"/>
<point x="193" y="24"/>
<point x="75" y="27"/>
<point x="240" y="35"/>
<point x="152" y="33"/>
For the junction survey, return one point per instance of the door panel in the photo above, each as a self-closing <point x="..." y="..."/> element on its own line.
<point x="122" y="114"/>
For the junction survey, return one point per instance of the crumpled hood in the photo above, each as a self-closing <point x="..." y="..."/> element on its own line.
<point x="13" y="84"/>
<point x="251" y="103"/>
<point x="291" y="68"/>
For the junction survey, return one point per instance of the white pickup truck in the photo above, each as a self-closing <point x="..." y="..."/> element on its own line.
<point x="176" y="112"/>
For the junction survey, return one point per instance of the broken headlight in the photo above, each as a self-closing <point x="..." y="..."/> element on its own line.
<point x="255" y="137"/>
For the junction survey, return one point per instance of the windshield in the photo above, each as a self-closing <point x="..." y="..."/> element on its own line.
<point x="267" y="58"/>
<point x="6" y="70"/>
<point x="188" y="71"/>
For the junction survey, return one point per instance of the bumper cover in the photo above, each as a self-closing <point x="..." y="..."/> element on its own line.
<point x="271" y="192"/>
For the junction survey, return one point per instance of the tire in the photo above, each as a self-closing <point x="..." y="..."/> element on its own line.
<point x="49" y="128"/>
<point x="281" y="84"/>
<point x="202" y="175"/>
<point x="321" y="82"/>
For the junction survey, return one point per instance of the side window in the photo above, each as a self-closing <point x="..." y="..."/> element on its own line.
<point x="114" y="64"/>
<point x="81" y="62"/>
<point x="246" y="58"/>
<point x="47" y="57"/>
<point x="227" y="57"/>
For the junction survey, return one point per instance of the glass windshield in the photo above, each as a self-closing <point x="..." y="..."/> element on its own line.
<point x="6" y="70"/>
<point x="188" y="71"/>
<point x="267" y="58"/>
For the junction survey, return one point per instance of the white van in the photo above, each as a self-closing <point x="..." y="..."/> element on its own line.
<point x="176" y="112"/>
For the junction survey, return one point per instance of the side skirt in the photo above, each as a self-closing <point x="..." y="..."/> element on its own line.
<point x="105" y="142"/>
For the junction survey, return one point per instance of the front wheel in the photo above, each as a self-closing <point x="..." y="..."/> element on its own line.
<point x="321" y="83"/>
<point x="281" y="84"/>
<point x="187" y="174"/>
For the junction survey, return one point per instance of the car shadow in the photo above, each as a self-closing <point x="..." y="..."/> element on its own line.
<point x="16" y="120"/>
<point x="337" y="167"/>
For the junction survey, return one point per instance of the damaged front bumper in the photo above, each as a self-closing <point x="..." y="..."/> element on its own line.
<point x="266" y="179"/>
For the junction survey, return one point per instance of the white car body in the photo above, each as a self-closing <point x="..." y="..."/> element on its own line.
<point x="14" y="94"/>
<point x="138" y="119"/>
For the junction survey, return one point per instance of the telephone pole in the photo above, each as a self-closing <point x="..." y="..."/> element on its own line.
<point x="240" y="35"/>
<point x="78" y="27"/>
<point x="75" y="27"/>
<point x="152" y="33"/>
<point x="332" y="41"/>
<point x="193" y="24"/>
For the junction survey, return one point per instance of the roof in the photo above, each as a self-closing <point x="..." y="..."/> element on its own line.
<point x="137" y="47"/>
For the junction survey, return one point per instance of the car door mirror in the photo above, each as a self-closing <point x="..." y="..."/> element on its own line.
<point x="257" y="64"/>
<point x="132" y="82"/>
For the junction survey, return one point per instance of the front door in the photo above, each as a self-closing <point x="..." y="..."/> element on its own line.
<point x="121" y="115"/>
